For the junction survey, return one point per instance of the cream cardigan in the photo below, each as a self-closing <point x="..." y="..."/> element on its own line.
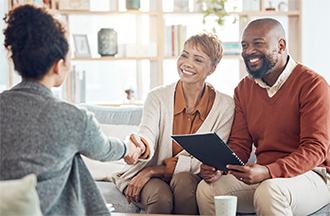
<point x="157" y="126"/>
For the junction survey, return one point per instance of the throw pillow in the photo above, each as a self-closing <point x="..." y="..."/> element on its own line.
<point x="20" y="197"/>
<point x="101" y="171"/>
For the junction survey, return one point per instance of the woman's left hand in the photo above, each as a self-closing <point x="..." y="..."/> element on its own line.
<point x="135" y="186"/>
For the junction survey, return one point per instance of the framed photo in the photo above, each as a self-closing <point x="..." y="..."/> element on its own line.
<point x="81" y="45"/>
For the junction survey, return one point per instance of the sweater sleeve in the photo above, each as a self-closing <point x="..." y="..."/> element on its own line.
<point x="314" y="132"/>
<point x="240" y="140"/>
<point x="97" y="146"/>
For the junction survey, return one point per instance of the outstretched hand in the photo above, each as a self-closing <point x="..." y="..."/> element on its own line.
<point x="251" y="173"/>
<point x="135" y="148"/>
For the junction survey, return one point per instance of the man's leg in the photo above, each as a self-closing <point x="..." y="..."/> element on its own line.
<point x="156" y="197"/>
<point x="184" y="187"/>
<point x="226" y="185"/>
<point x="301" y="195"/>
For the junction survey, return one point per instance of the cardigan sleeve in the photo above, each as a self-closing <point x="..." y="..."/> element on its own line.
<point x="149" y="127"/>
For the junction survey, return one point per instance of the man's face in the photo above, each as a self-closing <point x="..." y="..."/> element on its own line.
<point x="259" y="50"/>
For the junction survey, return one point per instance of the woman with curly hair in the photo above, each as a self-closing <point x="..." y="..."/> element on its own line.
<point x="43" y="135"/>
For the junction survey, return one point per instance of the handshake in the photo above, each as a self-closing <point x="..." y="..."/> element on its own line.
<point x="135" y="149"/>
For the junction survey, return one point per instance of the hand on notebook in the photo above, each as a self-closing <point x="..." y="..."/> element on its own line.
<point x="210" y="174"/>
<point x="250" y="173"/>
<point x="135" y="148"/>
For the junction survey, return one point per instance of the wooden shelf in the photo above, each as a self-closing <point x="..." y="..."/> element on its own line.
<point x="244" y="13"/>
<point x="112" y="58"/>
<point x="71" y="12"/>
<point x="157" y="28"/>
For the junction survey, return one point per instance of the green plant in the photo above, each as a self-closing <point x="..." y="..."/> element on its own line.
<point x="216" y="7"/>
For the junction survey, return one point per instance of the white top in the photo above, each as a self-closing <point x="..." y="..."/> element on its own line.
<point x="271" y="90"/>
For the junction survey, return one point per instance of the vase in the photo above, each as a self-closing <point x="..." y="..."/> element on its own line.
<point x="132" y="4"/>
<point x="107" y="42"/>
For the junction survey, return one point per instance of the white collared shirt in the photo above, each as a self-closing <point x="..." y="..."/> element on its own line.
<point x="271" y="90"/>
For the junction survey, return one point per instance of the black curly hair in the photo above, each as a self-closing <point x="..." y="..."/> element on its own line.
<point x="35" y="39"/>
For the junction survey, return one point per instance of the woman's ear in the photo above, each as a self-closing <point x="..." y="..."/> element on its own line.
<point x="58" y="66"/>
<point x="212" y="70"/>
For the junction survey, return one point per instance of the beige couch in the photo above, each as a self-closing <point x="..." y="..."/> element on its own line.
<point x="119" y="122"/>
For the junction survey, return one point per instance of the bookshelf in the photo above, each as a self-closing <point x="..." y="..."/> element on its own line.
<point x="157" y="19"/>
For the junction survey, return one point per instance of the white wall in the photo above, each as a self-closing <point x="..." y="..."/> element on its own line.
<point x="316" y="36"/>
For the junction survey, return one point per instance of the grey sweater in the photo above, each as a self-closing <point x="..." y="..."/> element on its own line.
<point x="43" y="135"/>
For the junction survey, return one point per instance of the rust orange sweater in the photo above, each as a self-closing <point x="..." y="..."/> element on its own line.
<point x="290" y="130"/>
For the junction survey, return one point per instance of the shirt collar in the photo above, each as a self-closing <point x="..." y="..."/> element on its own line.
<point x="180" y="103"/>
<point x="271" y="90"/>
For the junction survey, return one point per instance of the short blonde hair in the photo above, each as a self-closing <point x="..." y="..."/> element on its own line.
<point x="209" y="43"/>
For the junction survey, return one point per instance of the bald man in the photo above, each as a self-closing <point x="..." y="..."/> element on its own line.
<point x="283" y="108"/>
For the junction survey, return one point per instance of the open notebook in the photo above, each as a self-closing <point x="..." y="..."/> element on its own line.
<point x="209" y="148"/>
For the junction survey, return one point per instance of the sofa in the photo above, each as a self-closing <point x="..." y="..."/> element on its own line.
<point x="120" y="122"/>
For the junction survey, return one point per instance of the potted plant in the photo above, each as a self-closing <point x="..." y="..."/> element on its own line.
<point x="216" y="7"/>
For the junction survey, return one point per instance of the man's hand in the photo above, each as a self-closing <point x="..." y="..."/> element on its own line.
<point x="250" y="174"/>
<point x="210" y="174"/>
<point x="135" y="148"/>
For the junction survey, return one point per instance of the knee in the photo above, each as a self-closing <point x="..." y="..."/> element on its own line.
<point x="269" y="193"/>
<point x="204" y="192"/>
<point x="184" y="180"/>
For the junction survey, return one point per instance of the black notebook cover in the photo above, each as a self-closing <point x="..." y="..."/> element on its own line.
<point x="209" y="148"/>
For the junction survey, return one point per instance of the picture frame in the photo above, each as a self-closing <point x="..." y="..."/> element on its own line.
<point x="81" y="46"/>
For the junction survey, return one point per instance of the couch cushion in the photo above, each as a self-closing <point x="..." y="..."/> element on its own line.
<point x="112" y="195"/>
<point x="19" y="197"/>
<point x="116" y="115"/>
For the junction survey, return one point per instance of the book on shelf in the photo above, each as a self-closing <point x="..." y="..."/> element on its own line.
<point x="78" y="86"/>
<point x="209" y="148"/>
<point x="231" y="48"/>
<point x="47" y="3"/>
<point x="175" y="35"/>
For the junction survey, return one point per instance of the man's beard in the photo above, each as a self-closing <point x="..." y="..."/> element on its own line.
<point x="267" y="64"/>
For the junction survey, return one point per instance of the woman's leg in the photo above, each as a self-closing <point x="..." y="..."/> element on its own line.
<point x="156" y="197"/>
<point x="183" y="186"/>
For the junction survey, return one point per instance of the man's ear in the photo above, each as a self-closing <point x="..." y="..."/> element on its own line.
<point x="281" y="45"/>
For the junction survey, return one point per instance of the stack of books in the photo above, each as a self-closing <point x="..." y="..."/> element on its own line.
<point x="175" y="35"/>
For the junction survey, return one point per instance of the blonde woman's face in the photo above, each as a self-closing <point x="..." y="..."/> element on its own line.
<point x="194" y="65"/>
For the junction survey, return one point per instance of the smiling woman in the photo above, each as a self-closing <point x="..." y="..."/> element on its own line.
<point x="165" y="182"/>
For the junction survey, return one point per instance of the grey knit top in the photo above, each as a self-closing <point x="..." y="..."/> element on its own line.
<point x="43" y="135"/>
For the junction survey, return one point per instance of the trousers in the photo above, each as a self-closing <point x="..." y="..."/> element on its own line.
<point x="177" y="197"/>
<point x="300" y="195"/>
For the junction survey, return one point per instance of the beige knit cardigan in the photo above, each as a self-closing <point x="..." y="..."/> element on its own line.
<point x="157" y="126"/>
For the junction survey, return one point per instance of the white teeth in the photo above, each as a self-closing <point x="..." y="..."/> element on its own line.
<point x="254" y="60"/>
<point x="186" y="72"/>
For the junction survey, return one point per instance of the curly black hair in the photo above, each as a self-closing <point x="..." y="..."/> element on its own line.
<point x="35" y="39"/>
